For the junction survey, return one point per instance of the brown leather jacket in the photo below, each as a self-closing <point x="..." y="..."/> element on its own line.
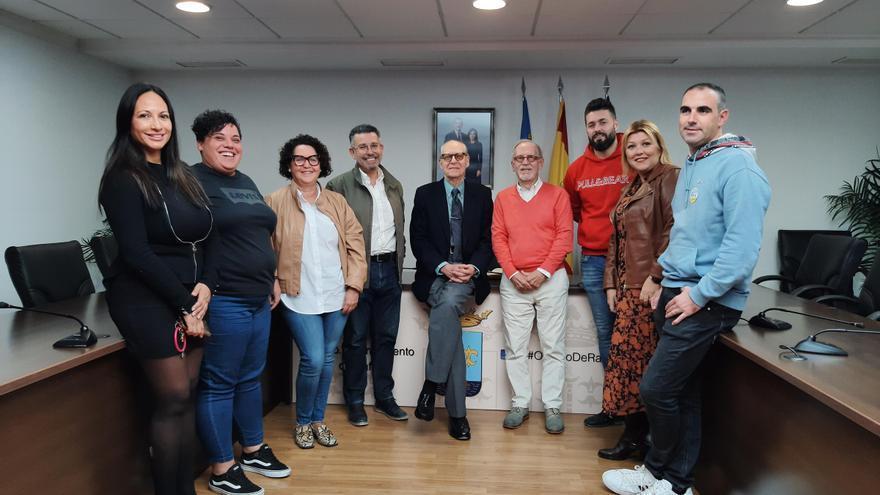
<point x="646" y="221"/>
<point x="288" y="237"/>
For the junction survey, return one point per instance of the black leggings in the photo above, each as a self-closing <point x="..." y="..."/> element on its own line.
<point x="172" y="425"/>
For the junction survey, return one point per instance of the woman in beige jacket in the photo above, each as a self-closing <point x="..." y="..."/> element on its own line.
<point x="321" y="272"/>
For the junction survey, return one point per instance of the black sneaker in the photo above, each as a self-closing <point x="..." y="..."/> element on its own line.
<point x="357" y="416"/>
<point x="264" y="462"/>
<point x="233" y="482"/>
<point x="390" y="408"/>
<point x="602" y="420"/>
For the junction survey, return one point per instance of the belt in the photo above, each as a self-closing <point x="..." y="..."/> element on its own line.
<point x="384" y="257"/>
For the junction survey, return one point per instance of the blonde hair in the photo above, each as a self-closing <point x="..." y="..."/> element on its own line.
<point x="653" y="133"/>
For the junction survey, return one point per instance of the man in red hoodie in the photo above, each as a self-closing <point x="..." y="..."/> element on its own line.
<point x="594" y="182"/>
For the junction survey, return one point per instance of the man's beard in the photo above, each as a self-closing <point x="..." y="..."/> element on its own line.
<point x="604" y="144"/>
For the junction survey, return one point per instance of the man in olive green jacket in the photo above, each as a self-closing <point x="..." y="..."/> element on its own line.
<point x="377" y="200"/>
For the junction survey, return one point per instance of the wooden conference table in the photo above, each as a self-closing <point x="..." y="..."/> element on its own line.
<point x="776" y="427"/>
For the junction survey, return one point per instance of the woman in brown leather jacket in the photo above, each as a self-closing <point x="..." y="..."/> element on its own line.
<point x="642" y="219"/>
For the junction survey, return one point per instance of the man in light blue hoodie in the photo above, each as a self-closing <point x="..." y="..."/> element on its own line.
<point x="719" y="205"/>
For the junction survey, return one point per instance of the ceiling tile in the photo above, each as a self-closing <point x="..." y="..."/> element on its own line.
<point x="763" y="18"/>
<point x="227" y="28"/>
<point x="101" y="9"/>
<point x="674" y="25"/>
<point x="220" y="9"/>
<point x="77" y="29"/>
<point x="465" y="22"/>
<point x="693" y="6"/>
<point x="32" y="10"/>
<point x="585" y="19"/>
<point x="303" y="19"/>
<point x="861" y="19"/>
<point x="395" y="19"/>
<point x="151" y="29"/>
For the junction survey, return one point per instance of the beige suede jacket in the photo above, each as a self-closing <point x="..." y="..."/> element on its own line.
<point x="288" y="237"/>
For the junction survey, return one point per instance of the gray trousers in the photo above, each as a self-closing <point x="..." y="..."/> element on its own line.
<point x="445" y="361"/>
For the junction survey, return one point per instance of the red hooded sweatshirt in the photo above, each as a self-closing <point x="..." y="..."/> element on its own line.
<point x="594" y="185"/>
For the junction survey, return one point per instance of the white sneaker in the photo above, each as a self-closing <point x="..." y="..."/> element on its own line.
<point x="629" y="481"/>
<point x="663" y="487"/>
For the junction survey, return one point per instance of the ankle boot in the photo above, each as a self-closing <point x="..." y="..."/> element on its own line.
<point x="632" y="442"/>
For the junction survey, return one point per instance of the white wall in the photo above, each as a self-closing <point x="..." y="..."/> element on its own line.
<point x="58" y="120"/>
<point x="813" y="128"/>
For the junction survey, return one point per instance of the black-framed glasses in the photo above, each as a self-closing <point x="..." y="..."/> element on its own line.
<point x="364" y="148"/>
<point x="301" y="161"/>
<point x="526" y="158"/>
<point x="447" y="157"/>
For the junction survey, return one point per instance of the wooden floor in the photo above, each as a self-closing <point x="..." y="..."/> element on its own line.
<point x="415" y="457"/>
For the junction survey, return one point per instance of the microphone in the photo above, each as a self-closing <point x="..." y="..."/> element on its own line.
<point x="761" y="320"/>
<point x="812" y="346"/>
<point x="85" y="338"/>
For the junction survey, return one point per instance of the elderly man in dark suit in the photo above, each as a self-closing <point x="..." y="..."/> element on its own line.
<point x="450" y="231"/>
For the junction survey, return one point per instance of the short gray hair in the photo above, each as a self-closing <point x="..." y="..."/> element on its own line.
<point x="718" y="90"/>
<point x="523" y="141"/>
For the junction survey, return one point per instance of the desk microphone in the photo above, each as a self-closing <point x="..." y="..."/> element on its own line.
<point x="760" y="320"/>
<point x="85" y="338"/>
<point x="812" y="346"/>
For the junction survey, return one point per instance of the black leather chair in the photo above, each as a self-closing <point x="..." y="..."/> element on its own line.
<point x="106" y="250"/>
<point x="828" y="266"/>
<point x="868" y="302"/>
<point x="44" y="273"/>
<point x="792" y="245"/>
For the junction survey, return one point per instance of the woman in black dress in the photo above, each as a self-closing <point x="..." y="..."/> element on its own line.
<point x="157" y="292"/>
<point x="475" y="153"/>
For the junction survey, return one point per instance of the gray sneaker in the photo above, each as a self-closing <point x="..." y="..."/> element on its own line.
<point x="515" y="417"/>
<point x="553" y="421"/>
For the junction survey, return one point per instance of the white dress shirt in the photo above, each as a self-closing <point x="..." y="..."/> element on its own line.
<point x="382" y="233"/>
<point x="322" y="287"/>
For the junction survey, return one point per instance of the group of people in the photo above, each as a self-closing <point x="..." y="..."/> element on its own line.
<point x="205" y="258"/>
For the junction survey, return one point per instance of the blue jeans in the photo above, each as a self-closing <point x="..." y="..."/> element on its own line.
<point x="593" y="277"/>
<point x="229" y="382"/>
<point x="377" y="316"/>
<point x="670" y="388"/>
<point x="316" y="336"/>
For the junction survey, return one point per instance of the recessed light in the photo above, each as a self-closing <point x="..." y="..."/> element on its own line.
<point x="803" y="3"/>
<point x="489" y="4"/>
<point x="193" y="7"/>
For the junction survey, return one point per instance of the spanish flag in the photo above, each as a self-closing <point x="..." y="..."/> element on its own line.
<point x="559" y="158"/>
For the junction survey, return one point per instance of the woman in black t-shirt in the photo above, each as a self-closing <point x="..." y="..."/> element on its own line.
<point x="157" y="291"/>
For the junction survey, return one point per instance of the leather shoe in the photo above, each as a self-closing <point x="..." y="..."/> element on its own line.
<point x="425" y="406"/>
<point x="602" y="420"/>
<point x="357" y="416"/>
<point x="624" y="450"/>
<point x="459" y="428"/>
<point x="390" y="408"/>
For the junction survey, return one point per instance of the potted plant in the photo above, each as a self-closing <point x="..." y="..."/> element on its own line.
<point x="857" y="207"/>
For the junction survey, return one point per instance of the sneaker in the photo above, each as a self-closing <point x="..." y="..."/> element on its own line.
<point x="390" y="408"/>
<point x="264" y="462"/>
<point x="628" y="481"/>
<point x="323" y="435"/>
<point x="303" y="437"/>
<point x="602" y="420"/>
<point x="515" y="417"/>
<point x="663" y="487"/>
<point x="233" y="482"/>
<point x="553" y="421"/>
<point x="357" y="416"/>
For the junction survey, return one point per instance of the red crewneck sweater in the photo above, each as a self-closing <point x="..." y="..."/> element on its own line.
<point x="537" y="234"/>
<point x="594" y="185"/>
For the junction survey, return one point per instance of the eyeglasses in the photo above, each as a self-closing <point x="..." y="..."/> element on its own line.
<point x="447" y="157"/>
<point x="526" y="158"/>
<point x="363" y="148"/>
<point x="300" y="161"/>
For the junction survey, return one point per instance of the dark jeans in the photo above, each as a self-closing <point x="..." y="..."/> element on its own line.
<point x="670" y="388"/>
<point x="235" y="356"/>
<point x="593" y="278"/>
<point x="378" y="316"/>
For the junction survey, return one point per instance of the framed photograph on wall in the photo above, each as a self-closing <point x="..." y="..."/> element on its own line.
<point x="475" y="127"/>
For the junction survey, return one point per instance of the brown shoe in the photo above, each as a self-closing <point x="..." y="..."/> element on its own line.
<point x="323" y="435"/>
<point x="303" y="437"/>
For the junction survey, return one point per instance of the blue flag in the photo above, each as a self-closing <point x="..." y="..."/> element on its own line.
<point x="525" y="130"/>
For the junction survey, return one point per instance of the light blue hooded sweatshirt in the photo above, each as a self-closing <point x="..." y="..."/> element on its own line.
<point x="719" y="204"/>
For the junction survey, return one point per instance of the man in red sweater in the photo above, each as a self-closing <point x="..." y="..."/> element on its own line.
<point x="594" y="182"/>
<point x="531" y="235"/>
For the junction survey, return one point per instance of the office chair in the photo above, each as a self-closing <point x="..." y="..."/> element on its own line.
<point x="106" y="250"/>
<point x="868" y="302"/>
<point x="828" y="266"/>
<point x="44" y="273"/>
<point x="792" y="245"/>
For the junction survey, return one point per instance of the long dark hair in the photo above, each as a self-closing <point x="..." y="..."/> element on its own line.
<point x="126" y="155"/>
